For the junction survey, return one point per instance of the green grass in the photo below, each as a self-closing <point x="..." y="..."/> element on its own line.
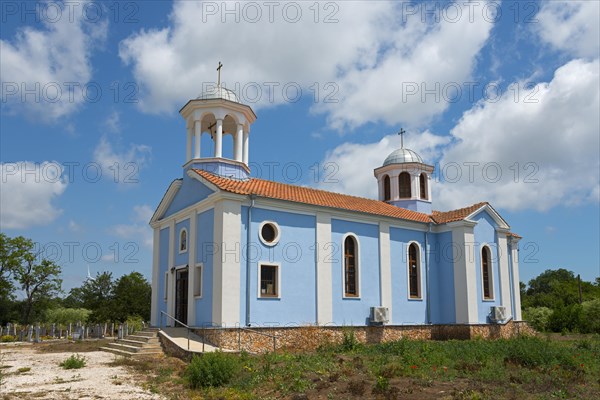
<point x="524" y="368"/>
<point x="74" y="362"/>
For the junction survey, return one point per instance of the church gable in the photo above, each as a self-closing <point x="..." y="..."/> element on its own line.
<point x="181" y="194"/>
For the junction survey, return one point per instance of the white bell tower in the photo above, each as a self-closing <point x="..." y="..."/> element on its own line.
<point x="404" y="180"/>
<point x="217" y="112"/>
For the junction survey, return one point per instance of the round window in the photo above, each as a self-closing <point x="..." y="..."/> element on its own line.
<point x="269" y="233"/>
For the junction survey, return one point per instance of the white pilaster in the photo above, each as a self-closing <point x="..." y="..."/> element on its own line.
<point x="395" y="187"/>
<point x="154" y="318"/>
<point x="239" y="139"/>
<point x="385" y="268"/>
<point x="323" y="273"/>
<point x="226" y="263"/>
<point x="514" y="247"/>
<point x="415" y="187"/>
<point x="219" y="139"/>
<point x="197" y="144"/>
<point x="504" y="273"/>
<point x="465" y="282"/>
<point x="171" y="283"/>
<point x="191" y="317"/>
<point x="188" y="146"/>
<point x="246" y="144"/>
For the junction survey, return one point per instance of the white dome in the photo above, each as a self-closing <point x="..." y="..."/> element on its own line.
<point x="402" y="156"/>
<point x="219" y="92"/>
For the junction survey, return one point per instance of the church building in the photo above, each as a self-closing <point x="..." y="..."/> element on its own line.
<point x="231" y="250"/>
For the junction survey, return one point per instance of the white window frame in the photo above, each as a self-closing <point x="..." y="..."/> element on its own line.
<point x="187" y="241"/>
<point x="358" y="267"/>
<point x="277" y="233"/>
<point x="492" y="298"/>
<point x="278" y="288"/>
<point x="419" y="271"/>
<point x="198" y="280"/>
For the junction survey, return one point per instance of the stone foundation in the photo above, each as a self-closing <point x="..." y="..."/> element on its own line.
<point x="255" y="340"/>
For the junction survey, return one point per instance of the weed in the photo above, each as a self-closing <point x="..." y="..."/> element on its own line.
<point x="23" y="370"/>
<point x="74" y="362"/>
<point x="211" y="369"/>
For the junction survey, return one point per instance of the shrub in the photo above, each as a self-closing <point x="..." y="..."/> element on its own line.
<point x="591" y="316"/>
<point x="567" y="318"/>
<point x="64" y="316"/>
<point x="8" y="338"/>
<point x="538" y="317"/>
<point x="74" y="362"/>
<point x="211" y="369"/>
<point x="135" y="323"/>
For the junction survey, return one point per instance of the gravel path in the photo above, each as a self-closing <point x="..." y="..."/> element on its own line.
<point x="46" y="380"/>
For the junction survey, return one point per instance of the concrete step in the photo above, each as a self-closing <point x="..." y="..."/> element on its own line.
<point x="145" y="333"/>
<point x="141" y="338"/>
<point x="117" y="351"/>
<point x="131" y="342"/>
<point x="124" y="347"/>
<point x="150" y="330"/>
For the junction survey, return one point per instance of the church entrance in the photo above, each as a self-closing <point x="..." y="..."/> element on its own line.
<point x="181" y="295"/>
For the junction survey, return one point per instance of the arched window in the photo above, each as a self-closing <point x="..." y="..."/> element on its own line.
<point x="486" y="273"/>
<point x="387" y="193"/>
<point x="404" y="185"/>
<point x="350" y="267"/>
<point x="423" y="185"/>
<point x="183" y="241"/>
<point x="414" y="272"/>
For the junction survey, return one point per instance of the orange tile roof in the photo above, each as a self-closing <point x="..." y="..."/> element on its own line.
<point x="305" y="195"/>
<point x="442" y="217"/>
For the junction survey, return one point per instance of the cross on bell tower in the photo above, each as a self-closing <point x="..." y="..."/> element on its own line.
<point x="219" y="77"/>
<point x="401" y="133"/>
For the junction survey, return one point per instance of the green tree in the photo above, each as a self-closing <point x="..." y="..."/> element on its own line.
<point x="39" y="281"/>
<point x="96" y="294"/>
<point x="556" y="289"/>
<point x="132" y="296"/>
<point x="12" y="251"/>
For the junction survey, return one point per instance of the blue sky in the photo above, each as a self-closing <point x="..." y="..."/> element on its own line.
<point x="501" y="97"/>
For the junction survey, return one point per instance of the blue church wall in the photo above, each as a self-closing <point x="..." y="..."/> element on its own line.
<point x="181" y="258"/>
<point x="294" y="253"/>
<point x="163" y="266"/>
<point x="204" y="255"/>
<point x="355" y="311"/>
<point x="405" y="310"/>
<point x="441" y="281"/>
<point x="485" y="233"/>
<point x="190" y="192"/>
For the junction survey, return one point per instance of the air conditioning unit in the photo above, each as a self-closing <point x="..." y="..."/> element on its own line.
<point x="379" y="315"/>
<point x="498" y="313"/>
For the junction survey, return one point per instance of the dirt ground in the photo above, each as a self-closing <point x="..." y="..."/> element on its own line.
<point x="28" y="373"/>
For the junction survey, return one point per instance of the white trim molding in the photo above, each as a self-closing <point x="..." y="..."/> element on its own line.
<point x="419" y="271"/>
<point x="504" y="282"/>
<point x="277" y="230"/>
<point x="491" y="278"/>
<point x="358" y="267"/>
<point x="278" y="282"/>
<point x="465" y="286"/>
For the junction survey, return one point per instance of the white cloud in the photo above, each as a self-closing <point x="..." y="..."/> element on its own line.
<point x="74" y="226"/>
<point x="553" y="141"/>
<point x="354" y="163"/>
<point x="121" y="165"/>
<point x="113" y="122"/>
<point x="138" y="230"/>
<point x="546" y="151"/>
<point x="367" y="55"/>
<point x="28" y="191"/>
<point x="49" y="61"/>
<point x="571" y="26"/>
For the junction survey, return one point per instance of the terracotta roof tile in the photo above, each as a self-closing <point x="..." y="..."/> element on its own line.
<point x="305" y="195"/>
<point x="514" y="235"/>
<point x="455" y="215"/>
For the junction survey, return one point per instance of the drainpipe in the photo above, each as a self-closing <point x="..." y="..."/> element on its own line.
<point x="248" y="225"/>
<point x="428" y="298"/>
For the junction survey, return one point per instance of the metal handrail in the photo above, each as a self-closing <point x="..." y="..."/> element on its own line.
<point x="272" y="336"/>
<point x="181" y="323"/>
